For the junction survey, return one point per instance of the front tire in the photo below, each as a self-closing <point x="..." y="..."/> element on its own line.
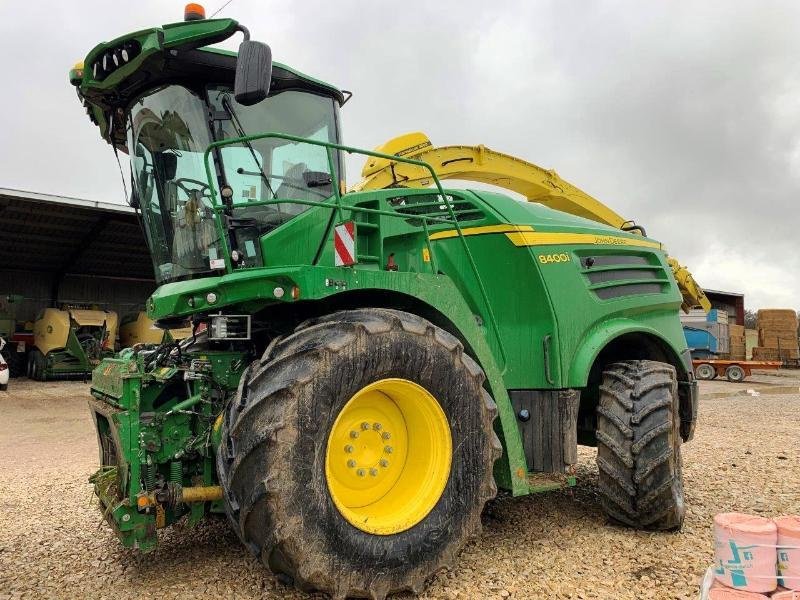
<point x="639" y="445"/>
<point x="289" y="498"/>
<point x="705" y="372"/>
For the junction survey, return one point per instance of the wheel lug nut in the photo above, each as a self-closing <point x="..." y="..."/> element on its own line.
<point x="365" y="426"/>
<point x="384" y="463"/>
<point x="361" y="472"/>
<point x="377" y="426"/>
<point x="373" y="472"/>
<point x="386" y="435"/>
<point x="351" y="463"/>
<point x="354" y="434"/>
<point x="348" y="448"/>
<point x="387" y="449"/>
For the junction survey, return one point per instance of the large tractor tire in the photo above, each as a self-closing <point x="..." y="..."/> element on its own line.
<point x="358" y="453"/>
<point x="639" y="445"/>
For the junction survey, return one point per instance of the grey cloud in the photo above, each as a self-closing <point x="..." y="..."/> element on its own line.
<point x="682" y="115"/>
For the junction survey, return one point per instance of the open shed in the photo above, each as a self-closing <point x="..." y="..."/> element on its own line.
<point x="58" y="250"/>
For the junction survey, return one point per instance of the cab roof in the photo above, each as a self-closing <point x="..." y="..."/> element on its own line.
<point x="115" y="73"/>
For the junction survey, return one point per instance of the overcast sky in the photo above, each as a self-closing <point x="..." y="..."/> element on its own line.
<point x="684" y="116"/>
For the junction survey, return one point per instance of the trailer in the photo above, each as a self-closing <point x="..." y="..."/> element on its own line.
<point x="733" y="370"/>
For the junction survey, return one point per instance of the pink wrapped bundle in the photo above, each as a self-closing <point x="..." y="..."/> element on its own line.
<point x="721" y="592"/>
<point x="789" y="551"/>
<point x="784" y="594"/>
<point x="744" y="552"/>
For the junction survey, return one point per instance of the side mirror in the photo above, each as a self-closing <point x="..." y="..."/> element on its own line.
<point x="253" y="73"/>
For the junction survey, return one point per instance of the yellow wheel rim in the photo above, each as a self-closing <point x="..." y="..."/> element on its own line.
<point x="387" y="461"/>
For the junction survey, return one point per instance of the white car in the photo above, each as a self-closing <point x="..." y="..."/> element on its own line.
<point x="3" y="368"/>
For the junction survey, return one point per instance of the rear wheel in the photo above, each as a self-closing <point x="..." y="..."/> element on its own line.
<point x="639" y="445"/>
<point x="705" y="371"/>
<point x="735" y="374"/>
<point x="36" y="362"/>
<point x="39" y="366"/>
<point x="357" y="456"/>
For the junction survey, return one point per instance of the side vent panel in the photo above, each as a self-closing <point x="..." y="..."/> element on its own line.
<point x="431" y="205"/>
<point x="620" y="275"/>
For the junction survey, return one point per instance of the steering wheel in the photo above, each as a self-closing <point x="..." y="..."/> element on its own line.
<point x="182" y="181"/>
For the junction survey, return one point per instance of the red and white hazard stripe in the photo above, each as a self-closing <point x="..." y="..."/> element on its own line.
<point x="344" y="244"/>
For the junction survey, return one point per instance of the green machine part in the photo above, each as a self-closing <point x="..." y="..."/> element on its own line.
<point x="254" y="239"/>
<point x="70" y="343"/>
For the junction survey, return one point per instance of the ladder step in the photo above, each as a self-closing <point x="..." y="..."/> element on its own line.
<point x="365" y="225"/>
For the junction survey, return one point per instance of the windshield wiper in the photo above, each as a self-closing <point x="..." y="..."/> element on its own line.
<point x="240" y="132"/>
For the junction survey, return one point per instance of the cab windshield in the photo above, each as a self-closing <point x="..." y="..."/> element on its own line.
<point x="169" y="131"/>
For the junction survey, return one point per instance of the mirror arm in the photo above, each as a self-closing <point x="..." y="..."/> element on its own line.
<point x="245" y="32"/>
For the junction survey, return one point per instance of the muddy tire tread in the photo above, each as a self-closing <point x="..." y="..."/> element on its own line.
<point x="252" y="451"/>
<point x="638" y="439"/>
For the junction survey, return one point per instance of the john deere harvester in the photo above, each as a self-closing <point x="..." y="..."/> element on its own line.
<point x="365" y="368"/>
<point x="70" y="343"/>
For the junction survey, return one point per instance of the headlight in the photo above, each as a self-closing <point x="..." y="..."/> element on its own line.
<point x="115" y="58"/>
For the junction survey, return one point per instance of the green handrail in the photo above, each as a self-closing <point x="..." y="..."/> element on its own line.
<point x="338" y="204"/>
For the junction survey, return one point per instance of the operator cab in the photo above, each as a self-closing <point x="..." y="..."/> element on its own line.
<point x="170" y="129"/>
<point x="164" y="97"/>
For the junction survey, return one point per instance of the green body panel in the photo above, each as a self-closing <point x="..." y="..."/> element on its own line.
<point x="532" y="321"/>
<point x="584" y="322"/>
<point x="145" y="415"/>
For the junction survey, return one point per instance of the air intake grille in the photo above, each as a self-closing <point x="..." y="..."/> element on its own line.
<point x="621" y="275"/>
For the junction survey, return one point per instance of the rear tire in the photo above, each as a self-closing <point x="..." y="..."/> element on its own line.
<point x="274" y="452"/>
<point x="639" y="445"/>
<point x="735" y="374"/>
<point x="3" y="387"/>
<point x="39" y="365"/>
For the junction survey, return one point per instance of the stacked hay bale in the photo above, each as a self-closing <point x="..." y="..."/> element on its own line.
<point x="738" y="346"/>
<point x="777" y="335"/>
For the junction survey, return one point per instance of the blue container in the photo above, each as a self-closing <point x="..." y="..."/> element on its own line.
<point x="702" y="343"/>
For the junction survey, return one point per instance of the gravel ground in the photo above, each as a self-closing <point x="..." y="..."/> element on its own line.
<point x="745" y="457"/>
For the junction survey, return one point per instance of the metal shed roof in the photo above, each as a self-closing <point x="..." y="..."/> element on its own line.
<point x="70" y="236"/>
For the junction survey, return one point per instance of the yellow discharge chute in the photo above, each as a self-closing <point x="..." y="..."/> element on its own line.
<point x="481" y="164"/>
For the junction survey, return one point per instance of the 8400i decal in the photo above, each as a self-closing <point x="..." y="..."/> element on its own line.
<point x="561" y="257"/>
